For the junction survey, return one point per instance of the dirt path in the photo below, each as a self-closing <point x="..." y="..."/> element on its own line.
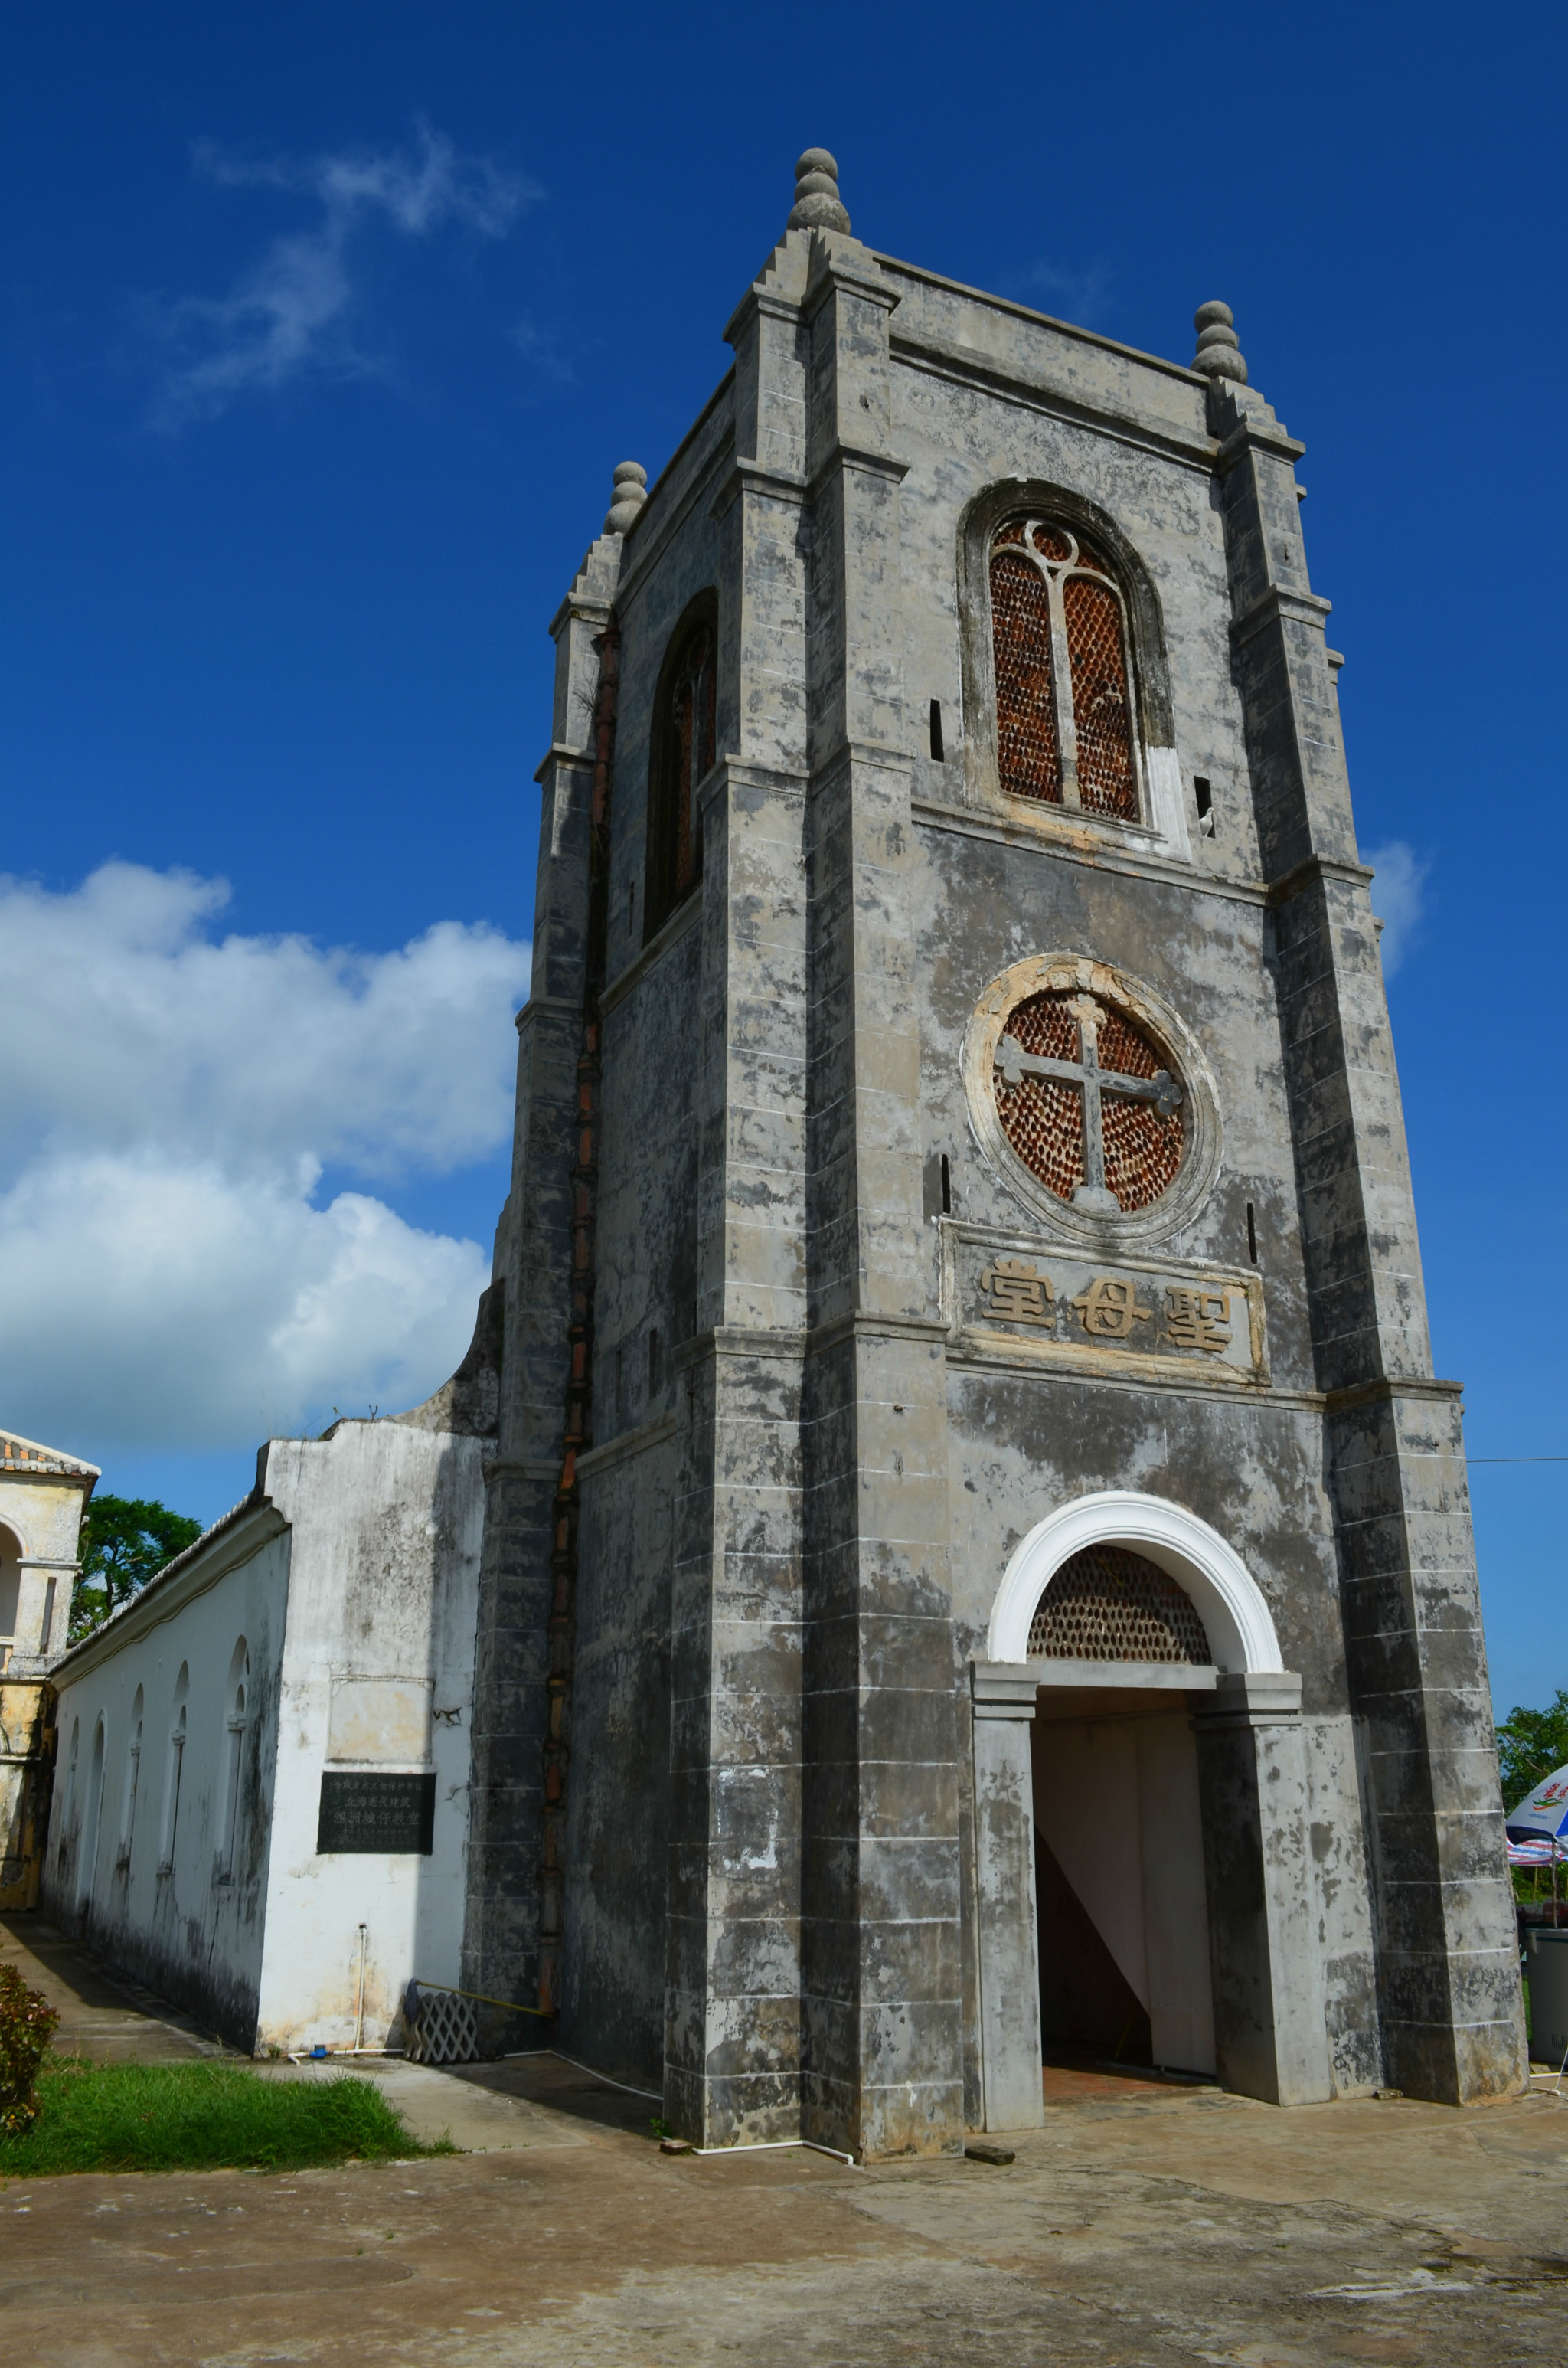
<point x="1143" y="2226"/>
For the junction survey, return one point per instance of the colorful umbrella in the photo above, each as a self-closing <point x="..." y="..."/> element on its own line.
<point x="1541" y="1812"/>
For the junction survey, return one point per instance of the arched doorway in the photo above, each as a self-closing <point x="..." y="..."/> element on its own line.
<point x="1140" y="1847"/>
<point x="1122" y="1901"/>
<point x="10" y="1593"/>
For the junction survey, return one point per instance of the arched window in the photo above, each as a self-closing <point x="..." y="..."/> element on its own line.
<point x="1063" y="673"/>
<point x="132" y="1781"/>
<point x="65" y="1821"/>
<point x="87" y="1865"/>
<point x="680" y="757"/>
<point x="10" y="1593"/>
<point x="234" y="1752"/>
<point x="173" y="1773"/>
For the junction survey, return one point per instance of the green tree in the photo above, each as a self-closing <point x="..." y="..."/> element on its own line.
<point x="124" y="1541"/>
<point x="1530" y="1743"/>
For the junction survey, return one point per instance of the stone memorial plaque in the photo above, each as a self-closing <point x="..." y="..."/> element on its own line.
<point x="370" y="1809"/>
<point x="1006" y="1294"/>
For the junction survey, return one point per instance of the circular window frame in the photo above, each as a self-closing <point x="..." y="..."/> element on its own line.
<point x="1061" y="973"/>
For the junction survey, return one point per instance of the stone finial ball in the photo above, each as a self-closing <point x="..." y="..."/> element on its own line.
<point x="1218" y="351"/>
<point x="630" y="481"/>
<point x="818" y="205"/>
<point x="816" y="161"/>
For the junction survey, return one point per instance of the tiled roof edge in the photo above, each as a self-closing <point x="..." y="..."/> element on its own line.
<point x="254" y="1503"/>
<point x="49" y="1459"/>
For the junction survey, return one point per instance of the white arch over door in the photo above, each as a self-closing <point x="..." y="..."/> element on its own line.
<point x="1229" y="1601"/>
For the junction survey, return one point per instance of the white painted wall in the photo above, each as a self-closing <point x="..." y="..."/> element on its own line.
<point x="352" y="1576"/>
<point x="378" y="1672"/>
<point x="41" y="1501"/>
<point x="154" y="1902"/>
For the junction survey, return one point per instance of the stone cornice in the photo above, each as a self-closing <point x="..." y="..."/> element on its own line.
<point x="881" y="753"/>
<point x="760" y="297"/>
<point x="864" y="1323"/>
<point x="919" y="273"/>
<point x="1256" y="436"/>
<point x="667" y="934"/>
<point x="1274" y="605"/>
<point x="954" y="363"/>
<point x="519" y="1467"/>
<point x="859" y="458"/>
<point x="1382" y="1390"/>
<point x="756" y="477"/>
<point x="793" y="1343"/>
<point x="626" y="1444"/>
<point x="836" y="267"/>
<point x="1100" y="857"/>
<point x="1071" y="1367"/>
<point x="562" y="753"/>
<point x="578" y="604"/>
<point x="1310" y="871"/>
<point x="546" y="1007"/>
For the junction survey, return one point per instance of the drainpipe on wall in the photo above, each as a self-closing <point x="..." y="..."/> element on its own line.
<point x="577" y="1430"/>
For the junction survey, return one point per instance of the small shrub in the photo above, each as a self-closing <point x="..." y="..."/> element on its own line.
<point x="27" y="2023"/>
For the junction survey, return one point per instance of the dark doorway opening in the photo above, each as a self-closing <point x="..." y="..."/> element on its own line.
<point x="1121" y="1889"/>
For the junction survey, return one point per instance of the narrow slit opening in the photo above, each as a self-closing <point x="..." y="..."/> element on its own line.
<point x="1205" y="797"/>
<point x="947" y="1189"/>
<point x="1252" y="1234"/>
<point x="936" y="731"/>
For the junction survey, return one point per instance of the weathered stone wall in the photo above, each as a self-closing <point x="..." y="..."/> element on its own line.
<point x="844" y="1453"/>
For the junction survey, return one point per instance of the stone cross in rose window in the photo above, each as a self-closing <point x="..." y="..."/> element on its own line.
<point x="1093" y="1083"/>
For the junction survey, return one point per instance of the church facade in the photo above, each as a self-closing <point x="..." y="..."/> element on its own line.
<point x="976" y="1560"/>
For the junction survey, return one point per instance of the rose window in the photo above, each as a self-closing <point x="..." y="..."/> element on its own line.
<point x="1088" y="1103"/>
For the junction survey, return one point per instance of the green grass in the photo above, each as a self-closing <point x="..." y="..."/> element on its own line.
<point x="204" y="2116"/>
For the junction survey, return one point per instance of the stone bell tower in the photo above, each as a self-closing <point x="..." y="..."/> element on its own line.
<point x="964" y="1326"/>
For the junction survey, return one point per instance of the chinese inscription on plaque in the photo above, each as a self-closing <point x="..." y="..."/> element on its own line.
<point x="1110" y="1308"/>
<point x="1197" y="1320"/>
<point x="1017" y="1292"/>
<point x="1138" y="1311"/>
<point x="369" y="1810"/>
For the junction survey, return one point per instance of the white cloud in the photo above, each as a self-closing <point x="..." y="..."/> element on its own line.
<point x="168" y="1276"/>
<point x="292" y="311"/>
<point x="1399" y="898"/>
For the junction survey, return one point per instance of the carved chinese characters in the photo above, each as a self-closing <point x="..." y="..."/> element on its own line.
<point x="1110" y="1308"/>
<point x="1017" y="1291"/>
<point x="1198" y="1319"/>
<point x="996" y="1292"/>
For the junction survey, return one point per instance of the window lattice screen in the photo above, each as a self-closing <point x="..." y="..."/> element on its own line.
<point x="1026" y="752"/>
<point x="1099" y="698"/>
<point x="1109" y="1604"/>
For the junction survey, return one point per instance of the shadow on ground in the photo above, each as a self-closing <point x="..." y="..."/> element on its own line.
<point x="1146" y="2224"/>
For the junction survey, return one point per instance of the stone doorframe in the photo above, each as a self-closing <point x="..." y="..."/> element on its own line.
<point x="1271" y="2038"/>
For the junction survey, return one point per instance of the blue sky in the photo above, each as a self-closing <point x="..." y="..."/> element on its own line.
<point x="321" y="329"/>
